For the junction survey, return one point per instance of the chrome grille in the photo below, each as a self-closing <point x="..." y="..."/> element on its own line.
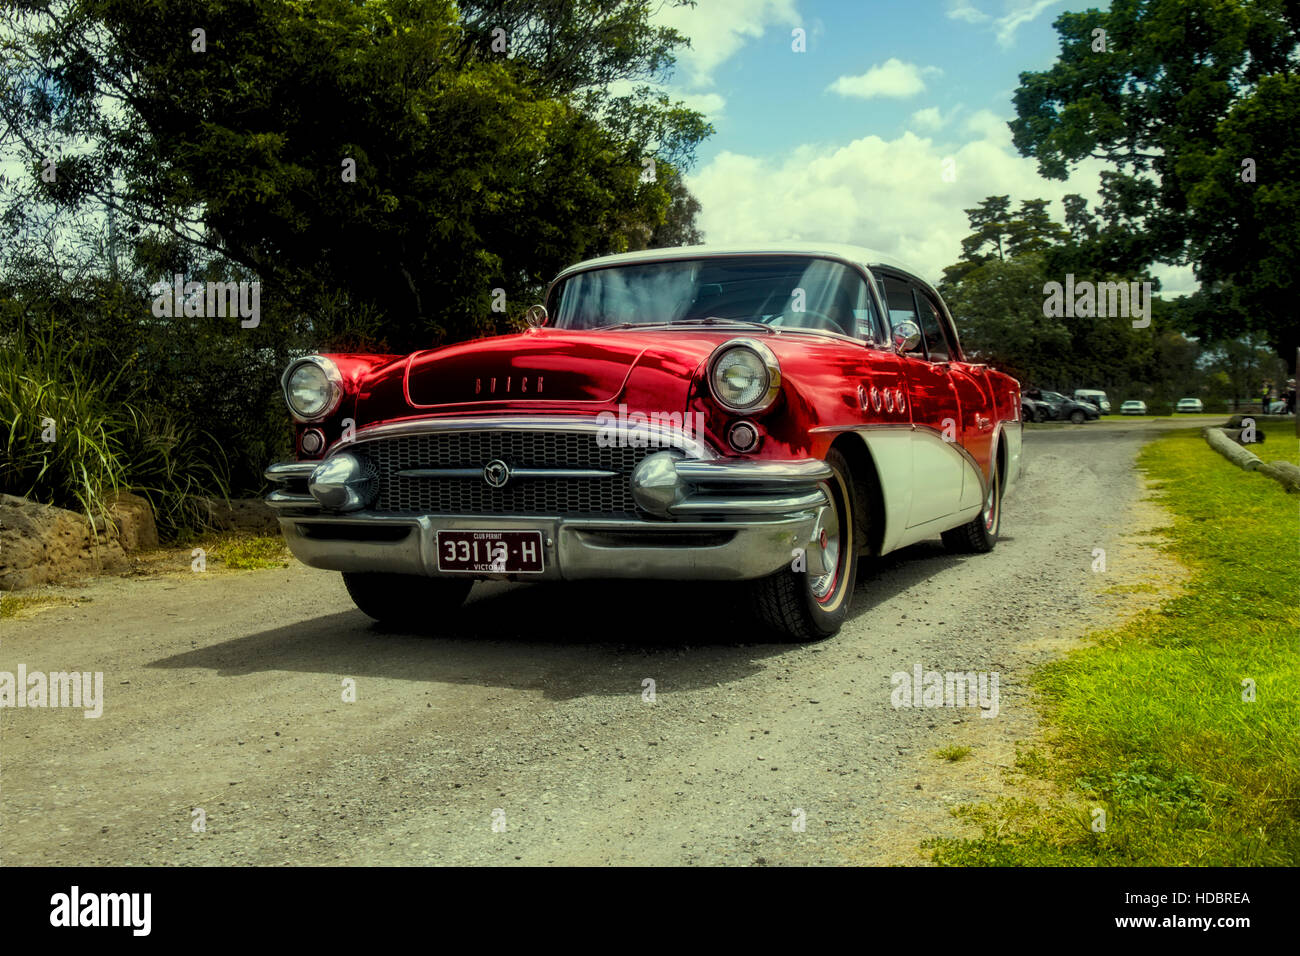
<point x="519" y="449"/>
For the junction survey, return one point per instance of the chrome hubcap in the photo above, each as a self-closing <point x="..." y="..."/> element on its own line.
<point x="991" y="504"/>
<point x="829" y="541"/>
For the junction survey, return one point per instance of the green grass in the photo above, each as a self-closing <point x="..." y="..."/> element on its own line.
<point x="12" y="604"/>
<point x="952" y="753"/>
<point x="74" y="437"/>
<point x="245" y="552"/>
<point x="1149" y="724"/>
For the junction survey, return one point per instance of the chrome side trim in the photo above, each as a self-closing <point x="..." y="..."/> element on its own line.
<point x="716" y="504"/>
<point x="757" y="473"/>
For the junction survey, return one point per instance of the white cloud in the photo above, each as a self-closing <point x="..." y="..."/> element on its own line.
<point x="889" y="195"/>
<point x="718" y="29"/>
<point x="988" y="126"/>
<point x="1019" y="12"/>
<point x="931" y="119"/>
<point x="962" y="10"/>
<point x="1016" y="13"/>
<point x="893" y="78"/>
<point x="710" y="104"/>
<point x="1175" y="280"/>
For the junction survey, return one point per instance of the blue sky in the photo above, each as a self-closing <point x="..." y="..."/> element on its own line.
<point x="889" y="124"/>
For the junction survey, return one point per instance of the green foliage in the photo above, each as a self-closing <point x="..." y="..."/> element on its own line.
<point x="248" y="552"/>
<point x="1185" y="91"/>
<point x="73" y="437"/>
<point x="476" y="168"/>
<point x="1151" y="723"/>
<point x="996" y="294"/>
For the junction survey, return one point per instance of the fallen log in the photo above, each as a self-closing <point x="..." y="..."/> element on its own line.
<point x="1283" y="472"/>
<point x="1229" y="449"/>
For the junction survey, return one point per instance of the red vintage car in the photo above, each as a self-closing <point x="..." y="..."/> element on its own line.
<point x="763" y="415"/>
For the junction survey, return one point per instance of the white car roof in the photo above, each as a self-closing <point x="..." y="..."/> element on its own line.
<point x="836" y="250"/>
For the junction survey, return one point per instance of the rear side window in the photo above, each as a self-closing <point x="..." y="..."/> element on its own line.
<point x="936" y="343"/>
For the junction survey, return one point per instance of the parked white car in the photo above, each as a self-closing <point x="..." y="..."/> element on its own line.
<point x="1189" y="405"/>
<point x="1133" y="407"/>
<point x="1094" y="395"/>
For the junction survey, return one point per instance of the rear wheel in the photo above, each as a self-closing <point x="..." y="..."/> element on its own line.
<point x="406" y="599"/>
<point x="808" y="606"/>
<point x="980" y="534"/>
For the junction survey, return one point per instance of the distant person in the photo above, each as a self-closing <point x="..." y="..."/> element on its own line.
<point x="1289" y="396"/>
<point x="1263" y="398"/>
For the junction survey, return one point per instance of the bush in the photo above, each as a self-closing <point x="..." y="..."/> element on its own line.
<point x="72" y="437"/>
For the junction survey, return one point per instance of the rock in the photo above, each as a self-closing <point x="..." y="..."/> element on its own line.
<point x="41" y="544"/>
<point x="135" y="524"/>
<point x="243" y="514"/>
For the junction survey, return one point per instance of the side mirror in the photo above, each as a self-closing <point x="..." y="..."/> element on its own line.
<point x="536" y="316"/>
<point x="906" y="336"/>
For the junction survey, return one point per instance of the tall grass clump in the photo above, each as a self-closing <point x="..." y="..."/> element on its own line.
<point x="73" y="436"/>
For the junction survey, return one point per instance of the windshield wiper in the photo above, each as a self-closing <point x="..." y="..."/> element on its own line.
<point x="708" y="320"/>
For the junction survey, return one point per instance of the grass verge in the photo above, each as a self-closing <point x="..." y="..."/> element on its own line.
<point x="248" y="552"/>
<point x="14" y="605"/>
<point x="1172" y="739"/>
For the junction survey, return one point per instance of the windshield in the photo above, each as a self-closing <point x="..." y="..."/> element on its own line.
<point x="794" y="292"/>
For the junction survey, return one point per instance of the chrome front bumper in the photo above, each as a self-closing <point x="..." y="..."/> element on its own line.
<point x="717" y="519"/>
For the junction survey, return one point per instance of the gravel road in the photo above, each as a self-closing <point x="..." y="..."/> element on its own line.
<point x="522" y="731"/>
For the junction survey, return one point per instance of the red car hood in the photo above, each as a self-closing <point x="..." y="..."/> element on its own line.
<point x="554" y="365"/>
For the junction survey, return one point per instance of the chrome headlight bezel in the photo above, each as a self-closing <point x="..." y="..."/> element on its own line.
<point x="333" y="384"/>
<point x="766" y="359"/>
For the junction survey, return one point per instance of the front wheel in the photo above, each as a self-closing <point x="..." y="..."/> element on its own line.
<point x="980" y="534"/>
<point x="406" y="599"/>
<point x="807" y="606"/>
<point x="1078" y="417"/>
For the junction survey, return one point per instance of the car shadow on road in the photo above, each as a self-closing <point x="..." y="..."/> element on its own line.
<point x="566" y="639"/>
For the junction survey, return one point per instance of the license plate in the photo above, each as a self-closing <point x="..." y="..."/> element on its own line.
<point x="489" y="552"/>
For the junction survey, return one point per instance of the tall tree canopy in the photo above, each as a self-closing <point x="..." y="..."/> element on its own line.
<point x="403" y="157"/>
<point x="1193" y="104"/>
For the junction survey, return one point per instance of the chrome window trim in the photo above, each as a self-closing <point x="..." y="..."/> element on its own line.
<point x="882" y="319"/>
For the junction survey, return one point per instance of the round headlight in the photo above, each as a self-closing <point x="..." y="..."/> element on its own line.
<point x="745" y="376"/>
<point x="312" y="388"/>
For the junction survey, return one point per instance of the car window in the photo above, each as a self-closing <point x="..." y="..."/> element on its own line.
<point x="902" y="307"/>
<point x="936" y="343"/>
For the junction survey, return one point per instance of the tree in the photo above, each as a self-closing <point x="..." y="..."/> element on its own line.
<point x="1174" y="95"/>
<point x="997" y="294"/>
<point x="412" y="156"/>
